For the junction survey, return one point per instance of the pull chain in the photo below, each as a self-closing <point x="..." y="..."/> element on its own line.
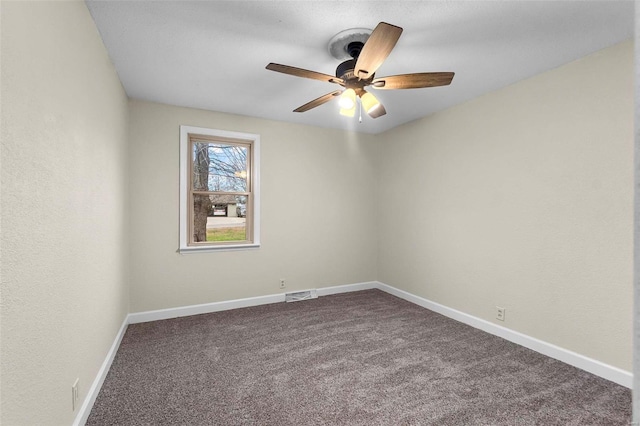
<point x="360" y="119"/>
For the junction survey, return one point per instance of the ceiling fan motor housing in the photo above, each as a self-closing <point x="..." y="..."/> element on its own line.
<point x="345" y="69"/>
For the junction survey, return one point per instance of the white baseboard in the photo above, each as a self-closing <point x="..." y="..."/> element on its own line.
<point x="206" y="308"/>
<point x="326" y="291"/>
<point x="92" y="394"/>
<point x="614" y="374"/>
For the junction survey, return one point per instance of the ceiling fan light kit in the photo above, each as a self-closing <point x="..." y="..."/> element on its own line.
<point x="348" y="99"/>
<point x="367" y="50"/>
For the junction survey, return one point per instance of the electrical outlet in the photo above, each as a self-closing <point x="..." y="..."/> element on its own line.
<point x="74" y="395"/>
<point x="282" y="283"/>
<point x="500" y="313"/>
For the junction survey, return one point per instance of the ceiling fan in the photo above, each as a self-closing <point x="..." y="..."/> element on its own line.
<point x="367" y="54"/>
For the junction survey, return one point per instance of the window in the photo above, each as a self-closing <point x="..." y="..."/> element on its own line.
<point x="219" y="190"/>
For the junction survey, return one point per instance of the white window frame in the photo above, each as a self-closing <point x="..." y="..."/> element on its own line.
<point x="185" y="158"/>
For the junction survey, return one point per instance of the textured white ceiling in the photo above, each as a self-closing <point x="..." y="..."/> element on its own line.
<point x="212" y="54"/>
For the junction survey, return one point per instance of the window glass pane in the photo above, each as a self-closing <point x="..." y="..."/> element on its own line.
<point x="219" y="218"/>
<point x="241" y="206"/>
<point x="219" y="167"/>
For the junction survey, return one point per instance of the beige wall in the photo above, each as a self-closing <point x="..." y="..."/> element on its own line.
<point x="64" y="211"/>
<point x="523" y="199"/>
<point x="318" y="214"/>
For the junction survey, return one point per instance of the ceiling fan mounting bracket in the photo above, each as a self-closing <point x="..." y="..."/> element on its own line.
<point x="339" y="43"/>
<point x="354" y="48"/>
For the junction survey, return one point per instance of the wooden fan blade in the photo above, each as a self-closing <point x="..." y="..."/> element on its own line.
<point x="378" y="111"/>
<point x="413" y="81"/>
<point x="299" y="72"/>
<point x="378" y="46"/>
<point x="317" y="102"/>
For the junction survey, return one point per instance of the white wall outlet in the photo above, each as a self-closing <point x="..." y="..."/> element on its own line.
<point x="500" y="313"/>
<point x="282" y="283"/>
<point x="74" y="395"/>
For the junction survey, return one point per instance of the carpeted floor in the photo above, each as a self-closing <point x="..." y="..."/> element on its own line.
<point x="363" y="358"/>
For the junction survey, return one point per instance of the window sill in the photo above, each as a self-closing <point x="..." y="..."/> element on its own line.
<point x="210" y="249"/>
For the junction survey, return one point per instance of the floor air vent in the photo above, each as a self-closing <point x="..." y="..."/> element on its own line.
<point x="300" y="295"/>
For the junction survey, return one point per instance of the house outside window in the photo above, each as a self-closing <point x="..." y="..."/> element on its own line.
<point x="219" y="190"/>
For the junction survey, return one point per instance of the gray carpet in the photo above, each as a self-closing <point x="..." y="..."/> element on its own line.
<point x="363" y="358"/>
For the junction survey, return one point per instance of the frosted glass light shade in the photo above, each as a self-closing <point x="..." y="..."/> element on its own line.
<point x="348" y="99"/>
<point x="369" y="102"/>
<point x="348" y="112"/>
